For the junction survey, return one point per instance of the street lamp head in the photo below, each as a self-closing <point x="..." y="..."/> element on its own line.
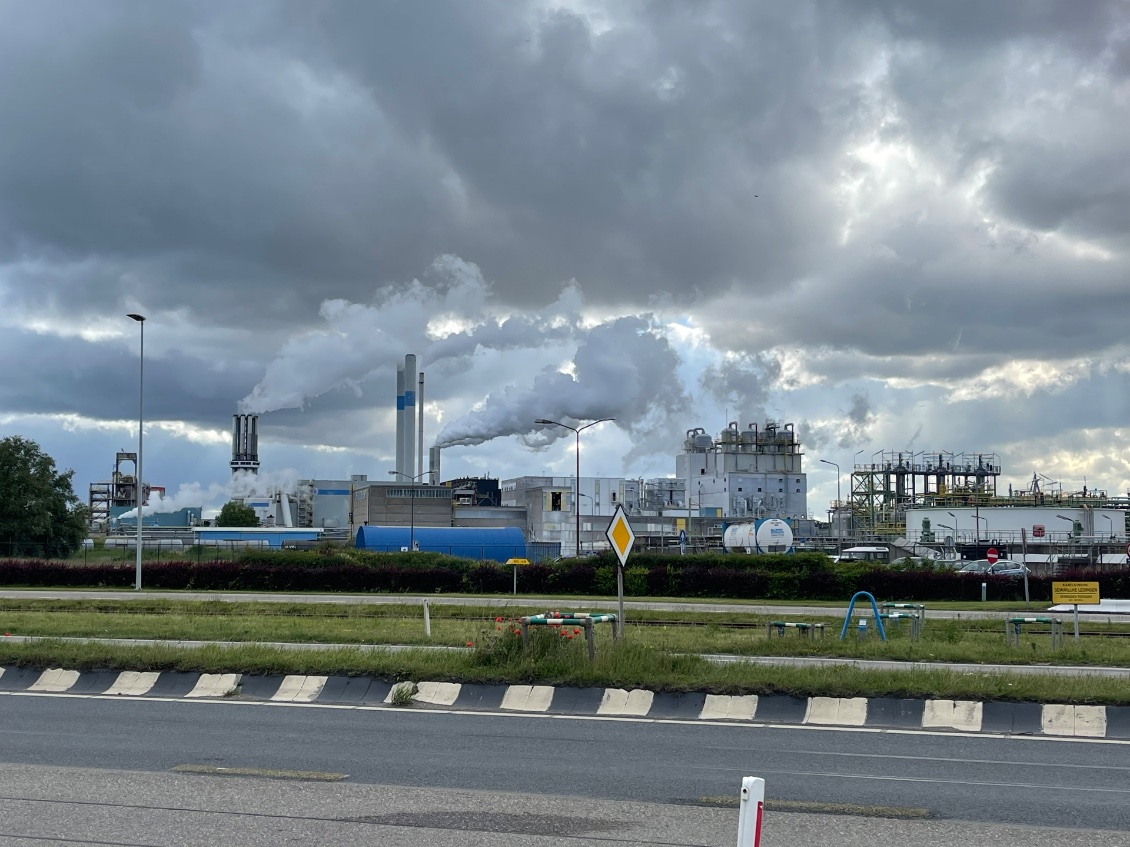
<point x="543" y="421"/>
<point x="825" y="461"/>
<point x="136" y="317"/>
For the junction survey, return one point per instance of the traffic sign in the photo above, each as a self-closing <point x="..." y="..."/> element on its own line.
<point x="992" y="555"/>
<point x="620" y="535"/>
<point x="1075" y="593"/>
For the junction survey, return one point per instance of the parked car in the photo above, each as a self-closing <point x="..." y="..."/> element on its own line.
<point x="1001" y="567"/>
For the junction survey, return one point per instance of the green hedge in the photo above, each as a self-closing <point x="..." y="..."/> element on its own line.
<point x="664" y="576"/>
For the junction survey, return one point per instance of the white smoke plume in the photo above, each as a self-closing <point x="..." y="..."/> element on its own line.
<point x="623" y="369"/>
<point x="448" y="316"/>
<point x="211" y="498"/>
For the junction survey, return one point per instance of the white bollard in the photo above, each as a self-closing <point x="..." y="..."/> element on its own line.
<point x="751" y="808"/>
<point x="427" y="620"/>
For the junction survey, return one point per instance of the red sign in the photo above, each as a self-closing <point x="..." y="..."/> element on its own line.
<point x="992" y="555"/>
<point x="1038" y="530"/>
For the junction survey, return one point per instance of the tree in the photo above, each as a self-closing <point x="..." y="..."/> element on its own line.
<point x="236" y="514"/>
<point x="39" y="512"/>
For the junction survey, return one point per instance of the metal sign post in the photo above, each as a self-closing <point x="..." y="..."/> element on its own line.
<point x="1024" y="564"/>
<point x="621" y="537"/>
<point x="1074" y="593"/>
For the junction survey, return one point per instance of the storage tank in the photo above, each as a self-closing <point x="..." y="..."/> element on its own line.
<point x="771" y="535"/>
<point x="740" y="538"/>
<point x="774" y="536"/>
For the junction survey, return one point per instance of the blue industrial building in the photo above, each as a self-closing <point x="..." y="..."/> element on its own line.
<point x="483" y="543"/>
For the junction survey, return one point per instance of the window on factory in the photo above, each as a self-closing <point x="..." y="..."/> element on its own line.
<point x="759" y="490"/>
<point x="555" y="501"/>
<point x="613" y="498"/>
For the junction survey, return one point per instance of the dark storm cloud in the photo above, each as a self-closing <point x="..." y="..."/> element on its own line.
<point x="237" y="164"/>
<point x="270" y="155"/>
<point x="101" y="381"/>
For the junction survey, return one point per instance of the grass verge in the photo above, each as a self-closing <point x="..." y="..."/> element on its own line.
<point x="973" y="641"/>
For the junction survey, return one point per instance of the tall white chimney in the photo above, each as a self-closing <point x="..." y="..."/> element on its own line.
<point x="409" y="460"/>
<point x="433" y="465"/>
<point x="400" y="417"/>
<point x="420" y="434"/>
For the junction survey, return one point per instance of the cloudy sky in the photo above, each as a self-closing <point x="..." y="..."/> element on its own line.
<point x="900" y="226"/>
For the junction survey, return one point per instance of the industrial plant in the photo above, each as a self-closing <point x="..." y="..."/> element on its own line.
<point x="742" y="490"/>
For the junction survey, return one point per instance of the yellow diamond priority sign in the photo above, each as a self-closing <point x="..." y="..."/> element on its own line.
<point x="620" y="535"/>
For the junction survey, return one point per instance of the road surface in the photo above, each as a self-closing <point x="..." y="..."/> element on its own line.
<point x="984" y="785"/>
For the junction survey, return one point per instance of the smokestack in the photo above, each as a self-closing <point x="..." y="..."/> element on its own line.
<point x="245" y="444"/>
<point x="400" y="418"/>
<point x="420" y="444"/>
<point x="409" y="414"/>
<point x="433" y="465"/>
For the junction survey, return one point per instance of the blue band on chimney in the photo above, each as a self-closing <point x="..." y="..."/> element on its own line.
<point x="409" y="398"/>
<point x="400" y="402"/>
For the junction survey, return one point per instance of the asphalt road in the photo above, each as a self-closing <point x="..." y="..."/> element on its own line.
<point x="44" y="805"/>
<point x="989" y="780"/>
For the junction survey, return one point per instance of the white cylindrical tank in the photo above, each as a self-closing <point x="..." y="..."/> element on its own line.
<point x="774" y="536"/>
<point x="740" y="538"/>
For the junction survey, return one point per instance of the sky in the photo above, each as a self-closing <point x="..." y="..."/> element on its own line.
<point x="898" y="226"/>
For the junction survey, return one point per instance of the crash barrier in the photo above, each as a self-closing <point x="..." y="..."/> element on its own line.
<point x="914" y="618"/>
<point x="567" y="619"/>
<point x="1014" y="626"/>
<point x="802" y="629"/>
<point x="915" y="607"/>
<point x="863" y="621"/>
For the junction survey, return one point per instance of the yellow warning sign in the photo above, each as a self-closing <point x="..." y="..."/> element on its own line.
<point x="1075" y="593"/>
<point x="620" y="535"/>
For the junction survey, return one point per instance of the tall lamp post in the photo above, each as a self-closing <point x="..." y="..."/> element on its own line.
<point x="576" y="430"/>
<point x="411" y="506"/>
<point x="140" y="421"/>
<point x="952" y="515"/>
<point x="839" y="518"/>
<point x="592" y="512"/>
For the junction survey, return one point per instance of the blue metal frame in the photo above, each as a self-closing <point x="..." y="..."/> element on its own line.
<point x="874" y="608"/>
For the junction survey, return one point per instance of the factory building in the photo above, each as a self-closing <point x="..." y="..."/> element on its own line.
<point x="744" y="473"/>
<point x="401" y="503"/>
<point x="110" y="499"/>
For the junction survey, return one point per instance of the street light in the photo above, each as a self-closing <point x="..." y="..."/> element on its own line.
<point x="1110" y="521"/>
<point x="411" y="507"/>
<point x="952" y="515"/>
<point x="592" y="511"/>
<point x="576" y="430"/>
<point x="140" y="420"/>
<point x="839" y="519"/>
<point x="978" y="519"/>
<point x="1070" y="521"/>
